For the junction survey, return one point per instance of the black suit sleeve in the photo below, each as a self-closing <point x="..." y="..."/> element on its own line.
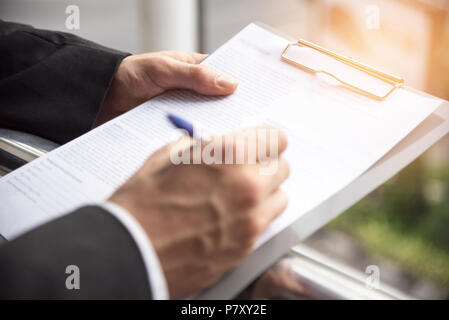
<point x="33" y="266"/>
<point x="52" y="84"/>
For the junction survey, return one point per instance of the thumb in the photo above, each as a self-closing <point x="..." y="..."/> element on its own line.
<point x="199" y="78"/>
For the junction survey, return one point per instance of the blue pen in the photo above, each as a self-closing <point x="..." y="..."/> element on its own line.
<point x="181" y="124"/>
<point x="195" y="133"/>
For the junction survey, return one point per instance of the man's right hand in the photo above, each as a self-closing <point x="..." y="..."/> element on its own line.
<point x="203" y="219"/>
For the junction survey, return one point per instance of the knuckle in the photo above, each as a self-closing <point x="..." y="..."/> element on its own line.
<point x="239" y="142"/>
<point x="284" y="199"/>
<point x="250" y="190"/>
<point x="253" y="228"/>
<point x="286" y="165"/>
<point x="197" y="71"/>
<point x="239" y="147"/>
<point x="161" y="69"/>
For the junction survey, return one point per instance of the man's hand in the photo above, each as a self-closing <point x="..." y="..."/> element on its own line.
<point x="204" y="219"/>
<point x="141" y="77"/>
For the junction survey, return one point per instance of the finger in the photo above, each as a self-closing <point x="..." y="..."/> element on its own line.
<point x="267" y="184"/>
<point x="188" y="57"/>
<point x="199" y="78"/>
<point x="271" y="142"/>
<point x="271" y="208"/>
<point x="271" y="182"/>
<point x="249" y="228"/>
<point x="252" y="145"/>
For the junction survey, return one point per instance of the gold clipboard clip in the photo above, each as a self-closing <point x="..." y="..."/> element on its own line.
<point x="396" y="82"/>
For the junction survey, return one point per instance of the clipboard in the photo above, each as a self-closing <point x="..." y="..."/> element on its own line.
<point x="431" y="130"/>
<point x="412" y="146"/>
<point x="394" y="81"/>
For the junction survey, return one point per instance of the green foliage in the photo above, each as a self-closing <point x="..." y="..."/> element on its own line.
<point x="407" y="220"/>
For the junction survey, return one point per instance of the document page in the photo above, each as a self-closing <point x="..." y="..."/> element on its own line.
<point x="334" y="136"/>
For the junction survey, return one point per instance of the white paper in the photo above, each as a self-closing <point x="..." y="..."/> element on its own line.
<point x="334" y="136"/>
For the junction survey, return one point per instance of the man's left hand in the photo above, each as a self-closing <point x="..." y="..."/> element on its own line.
<point x="143" y="76"/>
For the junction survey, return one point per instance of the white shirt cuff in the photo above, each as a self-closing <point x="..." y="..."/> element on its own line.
<point x="155" y="274"/>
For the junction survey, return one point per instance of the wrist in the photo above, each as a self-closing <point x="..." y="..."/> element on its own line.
<point x="114" y="103"/>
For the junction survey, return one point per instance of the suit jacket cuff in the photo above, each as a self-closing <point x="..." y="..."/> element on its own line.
<point x="153" y="267"/>
<point x="52" y="84"/>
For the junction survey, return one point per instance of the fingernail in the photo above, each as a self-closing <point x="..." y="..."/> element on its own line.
<point x="225" y="82"/>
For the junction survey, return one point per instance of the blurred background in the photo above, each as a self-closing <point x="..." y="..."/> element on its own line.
<point x="403" y="227"/>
